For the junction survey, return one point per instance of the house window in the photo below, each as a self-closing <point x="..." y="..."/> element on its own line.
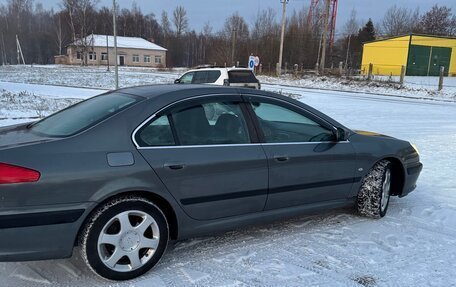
<point x="146" y="59"/>
<point x="158" y="59"/>
<point x="78" y="55"/>
<point x="135" y="58"/>
<point x="92" y="56"/>
<point x="104" y="56"/>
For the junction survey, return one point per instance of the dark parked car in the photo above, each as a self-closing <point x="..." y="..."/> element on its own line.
<point x="122" y="173"/>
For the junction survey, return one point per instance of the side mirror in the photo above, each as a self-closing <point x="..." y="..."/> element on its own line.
<point x="339" y="134"/>
<point x="177" y="81"/>
<point x="226" y="82"/>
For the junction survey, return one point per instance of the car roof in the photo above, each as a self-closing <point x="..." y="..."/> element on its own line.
<point x="153" y="91"/>
<point x="219" y="69"/>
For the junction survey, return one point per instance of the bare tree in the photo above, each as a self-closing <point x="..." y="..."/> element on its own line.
<point x="69" y="6"/>
<point x="234" y="36"/>
<point x="166" y="25"/>
<point x="352" y="25"/>
<point x="180" y="20"/>
<point x="207" y="29"/>
<point x="452" y="28"/>
<point x="437" y="21"/>
<point x="58" y="33"/>
<point x="398" y="21"/>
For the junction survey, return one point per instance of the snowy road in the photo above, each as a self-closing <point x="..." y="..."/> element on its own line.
<point x="414" y="245"/>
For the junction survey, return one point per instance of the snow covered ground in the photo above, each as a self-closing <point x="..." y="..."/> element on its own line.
<point x="91" y="77"/>
<point x="414" y="245"/>
<point x="98" y="77"/>
<point x="414" y="87"/>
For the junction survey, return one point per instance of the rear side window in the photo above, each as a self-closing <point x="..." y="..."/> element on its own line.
<point x="206" y="77"/>
<point x="157" y="133"/>
<point x="212" y="76"/>
<point x="84" y="114"/>
<point x="200" y="77"/>
<point x="211" y="123"/>
<point x="242" y="76"/>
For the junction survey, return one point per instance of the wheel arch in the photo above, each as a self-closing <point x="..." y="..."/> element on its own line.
<point x="398" y="171"/>
<point x="158" y="200"/>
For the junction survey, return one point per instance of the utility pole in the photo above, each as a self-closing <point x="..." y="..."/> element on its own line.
<point x="19" y="52"/>
<point x="3" y="52"/>
<point x="348" y="50"/>
<point x="233" y="45"/>
<point x="282" y="35"/>
<point x="325" y="35"/>
<point x="107" y="52"/>
<point x="116" y="66"/>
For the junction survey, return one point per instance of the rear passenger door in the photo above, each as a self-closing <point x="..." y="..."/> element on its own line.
<point x="202" y="150"/>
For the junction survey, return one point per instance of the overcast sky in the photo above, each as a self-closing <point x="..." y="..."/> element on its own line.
<point x="215" y="11"/>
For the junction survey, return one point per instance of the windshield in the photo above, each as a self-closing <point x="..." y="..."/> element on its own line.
<point x="84" y="114"/>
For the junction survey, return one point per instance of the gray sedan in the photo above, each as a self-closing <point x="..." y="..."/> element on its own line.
<point x="122" y="173"/>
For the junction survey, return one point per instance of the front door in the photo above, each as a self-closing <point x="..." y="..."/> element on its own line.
<point x="202" y="151"/>
<point x="121" y="60"/>
<point x="306" y="165"/>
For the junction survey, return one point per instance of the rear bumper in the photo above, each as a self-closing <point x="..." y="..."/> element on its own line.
<point x="413" y="172"/>
<point x="38" y="233"/>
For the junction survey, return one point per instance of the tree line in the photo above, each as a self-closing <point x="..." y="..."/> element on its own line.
<point x="44" y="33"/>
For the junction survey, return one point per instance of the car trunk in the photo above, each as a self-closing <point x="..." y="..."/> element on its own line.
<point x="18" y="135"/>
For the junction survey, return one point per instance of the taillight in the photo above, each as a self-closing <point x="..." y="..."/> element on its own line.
<point x="17" y="174"/>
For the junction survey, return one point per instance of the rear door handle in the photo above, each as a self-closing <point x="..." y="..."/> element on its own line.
<point x="174" y="166"/>
<point x="281" y="158"/>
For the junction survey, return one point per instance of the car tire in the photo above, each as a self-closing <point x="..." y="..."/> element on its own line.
<point x="124" y="238"/>
<point x="374" y="193"/>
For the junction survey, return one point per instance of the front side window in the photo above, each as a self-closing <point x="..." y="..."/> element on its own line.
<point x="83" y="115"/>
<point x="187" y="78"/>
<point x="157" y="133"/>
<point x="146" y="59"/>
<point x="280" y="124"/>
<point x="135" y="58"/>
<point x="158" y="59"/>
<point x="104" y="56"/>
<point x="211" y="123"/>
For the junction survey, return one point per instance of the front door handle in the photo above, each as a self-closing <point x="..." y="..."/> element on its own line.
<point x="281" y="158"/>
<point x="174" y="166"/>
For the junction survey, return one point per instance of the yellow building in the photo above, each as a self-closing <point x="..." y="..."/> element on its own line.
<point x="422" y="55"/>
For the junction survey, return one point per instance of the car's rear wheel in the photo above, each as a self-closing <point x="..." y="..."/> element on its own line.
<point x="374" y="193"/>
<point x="124" y="238"/>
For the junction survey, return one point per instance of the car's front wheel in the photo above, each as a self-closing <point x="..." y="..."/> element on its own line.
<point x="374" y="193"/>
<point x="124" y="238"/>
